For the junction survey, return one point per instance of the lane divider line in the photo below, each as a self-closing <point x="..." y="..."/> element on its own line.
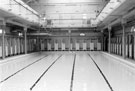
<point x="44" y="73"/>
<point x="72" y="77"/>
<point x="22" y="69"/>
<point x="102" y="73"/>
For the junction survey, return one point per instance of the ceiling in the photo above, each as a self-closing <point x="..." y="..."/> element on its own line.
<point x="77" y="13"/>
<point x="68" y="13"/>
<point x="126" y="11"/>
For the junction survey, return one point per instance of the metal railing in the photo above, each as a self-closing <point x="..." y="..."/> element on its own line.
<point x="20" y="9"/>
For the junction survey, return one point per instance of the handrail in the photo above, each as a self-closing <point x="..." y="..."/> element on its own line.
<point x="20" y="8"/>
<point x="26" y="7"/>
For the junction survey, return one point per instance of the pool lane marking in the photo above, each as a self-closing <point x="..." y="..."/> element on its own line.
<point x="72" y="77"/>
<point x="44" y="73"/>
<point x="22" y="69"/>
<point x="102" y="74"/>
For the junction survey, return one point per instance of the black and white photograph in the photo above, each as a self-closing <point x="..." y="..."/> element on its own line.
<point x="67" y="45"/>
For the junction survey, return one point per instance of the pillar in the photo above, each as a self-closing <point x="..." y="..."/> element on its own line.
<point x="109" y="46"/>
<point x="69" y="31"/>
<point x="38" y="40"/>
<point x="102" y="38"/>
<point x="123" y="22"/>
<point x="25" y="39"/>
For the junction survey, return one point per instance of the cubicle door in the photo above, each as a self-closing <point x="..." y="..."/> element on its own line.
<point x="18" y="46"/>
<point x="91" y="46"/>
<point x="15" y="41"/>
<point x="84" y="46"/>
<point x="11" y="46"/>
<point x="6" y="47"/>
<point x="117" y="45"/>
<point x="98" y="46"/>
<point x="48" y="46"/>
<point x="63" y="46"/>
<point x="81" y="44"/>
<point x="0" y="47"/>
<point x="71" y="46"/>
<point x="59" y="44"/>
<point x="130" y="46"/>
<point x="56" y="46"/>
<point x="127" y="47"/>
<point x="120" y="46"/>
<point x="111" y="46"/>
<point x="42" y="46"/>
<point x="77" y="46"/>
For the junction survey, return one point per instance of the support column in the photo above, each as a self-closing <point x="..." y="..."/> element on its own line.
<point x="109" y="46"/>
<point x="123" y="22"/>
<point x="102" y="41"/>
<point x="38" y="41"/>
<point x="3" y="27"/>
<point x="69" y="31"/>
<point x="25" y="39"/>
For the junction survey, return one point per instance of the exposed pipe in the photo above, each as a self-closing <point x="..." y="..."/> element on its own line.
<point x="68" y="4"/>
<point x="27" y="8"/>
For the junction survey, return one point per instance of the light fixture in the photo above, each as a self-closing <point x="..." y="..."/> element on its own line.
<point x="44" y="18"/>
<point x="108" y="9"/>
<point x="20" y="34"/>
<point x="1" y="31"/>
<point x="82" y="34"/>
<point x="84" y="16"/>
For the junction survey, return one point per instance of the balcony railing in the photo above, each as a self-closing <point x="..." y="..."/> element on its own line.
<point x="19" y="8"/>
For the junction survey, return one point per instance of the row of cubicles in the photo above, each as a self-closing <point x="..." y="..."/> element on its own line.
<point x="14" y="45"/>
<point x="116" y="45"/>
<point x="74" y="44"/>
<point x="76" y="47"/>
